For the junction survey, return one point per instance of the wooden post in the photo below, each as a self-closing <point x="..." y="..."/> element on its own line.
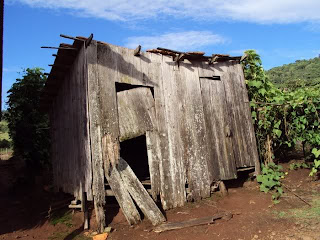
<point x="84" y="208"/>
<point x="222" y="188"/>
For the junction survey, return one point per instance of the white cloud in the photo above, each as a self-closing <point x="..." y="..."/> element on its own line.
<point x="183" y="41"/>
<point x="258" y="11"/>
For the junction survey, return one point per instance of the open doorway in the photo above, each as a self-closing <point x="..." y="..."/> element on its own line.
<point x="134" y="151"/>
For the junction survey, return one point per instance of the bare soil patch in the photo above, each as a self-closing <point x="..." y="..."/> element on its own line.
<point x="254" y="215"/>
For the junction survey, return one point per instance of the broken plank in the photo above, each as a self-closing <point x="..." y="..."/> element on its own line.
<point x="139" y="193"/>
<point x="119" y="189"/>
<point x="192" y="222"/>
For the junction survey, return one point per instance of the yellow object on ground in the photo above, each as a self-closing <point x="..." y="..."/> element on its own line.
<point x="102" y="236"/>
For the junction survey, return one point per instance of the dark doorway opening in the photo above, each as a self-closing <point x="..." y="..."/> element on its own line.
<point x="134" y="152"/>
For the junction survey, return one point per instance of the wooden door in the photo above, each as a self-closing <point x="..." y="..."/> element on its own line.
<point x="218" y="126"/>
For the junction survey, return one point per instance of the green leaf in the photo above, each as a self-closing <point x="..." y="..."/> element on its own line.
<point x="277" y="132"/>
<point x="264" y="189"/>
<point x="316" y="152"/>
<point x="255" y="83"/>
<point x="262" y="91"/>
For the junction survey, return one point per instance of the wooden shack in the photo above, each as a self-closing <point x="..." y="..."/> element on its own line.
<point x="129" y="123"/>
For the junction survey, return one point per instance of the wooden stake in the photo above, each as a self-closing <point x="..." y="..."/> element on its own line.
<point x="137" y="51"/>
<point x="84" y="208"/>
<point x="69" y="37"/>
<point x="222" y="188"/>
<point x="89" y="39"/>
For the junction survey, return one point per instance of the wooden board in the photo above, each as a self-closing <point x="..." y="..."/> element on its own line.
<point x="95" y="136"/>
<point x="136" y="112"/>
<point x="250" y="133"/>
<point x="165" y="182"/>
<point x="198" y="175"/>
<point x="219" y="135"/>
<point x="191" y="223"/>
<point x="173" y="168"/>
<point x="236" y="93"/>
<point x="122" y="195"/>
<point x="107" y="73"/>
<point x="139" y="193"/>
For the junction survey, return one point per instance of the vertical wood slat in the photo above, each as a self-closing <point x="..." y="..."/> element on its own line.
<point x="251" y="138"/>
<point x="85" y="109"/>
<point x="153" y="150"/>
<point x="233" y="101"/>
<point x="222" y="160"/>
<point x="199" y="182"/>
<point x="164" y="183"/>
<point x="107" y="74"/>
<point x="95" y="136"/>
<point x="169" y="88"/>
<point x="150" y="66"/>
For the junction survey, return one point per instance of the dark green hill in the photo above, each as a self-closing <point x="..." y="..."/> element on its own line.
<point x="300" y="73"/>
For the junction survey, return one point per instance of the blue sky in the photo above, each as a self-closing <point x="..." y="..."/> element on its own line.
<point x="281" y="31"/>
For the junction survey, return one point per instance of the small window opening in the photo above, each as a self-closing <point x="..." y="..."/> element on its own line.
<point x="125" y="86"/>
<point x="217" y="78"/>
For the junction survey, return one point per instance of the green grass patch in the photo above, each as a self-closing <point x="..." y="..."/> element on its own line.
<point x="302" y="214"/>
<point x="308" y="212"/>
<point x="61" y="218"/>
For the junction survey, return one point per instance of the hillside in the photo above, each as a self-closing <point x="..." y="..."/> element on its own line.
<point x="300" y="73"/>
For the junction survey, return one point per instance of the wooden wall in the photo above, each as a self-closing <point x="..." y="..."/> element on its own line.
<point x="202" y="130"/>
<point x="71" y="153"/>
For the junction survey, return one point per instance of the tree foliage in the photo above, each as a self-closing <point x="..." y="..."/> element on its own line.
<point x="282" y="117"/>
<point x="302" y="73"/>
<point x="28" y="127"/>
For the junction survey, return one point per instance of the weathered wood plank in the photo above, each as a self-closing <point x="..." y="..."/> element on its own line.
<point x="249" y="124"/>
<point x="198" y="175"/>
<point x="150" y="66"/>
<point x="168" y="164"/>
<point x="95" y="136"/>
<point x="218" y="124"/>
<point x="122" y="195"/>
<point x="107" y="75"/>
<point x="139" y="193"/>
<point x="153" y="150"/>
<point x="191" y="223"/>
<point x="85" y="106"/>
<point x="174" y="102"/>
<point x="136" y="112"/>
<point x="233" y="101"/>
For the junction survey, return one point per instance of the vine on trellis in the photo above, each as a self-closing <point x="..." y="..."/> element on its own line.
<point x="282" y="117"/>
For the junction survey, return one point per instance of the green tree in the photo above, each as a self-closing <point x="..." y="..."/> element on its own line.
<point x="28" y="127"/>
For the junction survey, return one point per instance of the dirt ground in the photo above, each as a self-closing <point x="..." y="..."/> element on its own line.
<point x="24" y="214"/>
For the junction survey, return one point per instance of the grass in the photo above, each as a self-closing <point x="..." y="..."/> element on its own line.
<point x="304" y="213"/>
<point x="308" y="212"/>
<point x="61" y="218"/>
